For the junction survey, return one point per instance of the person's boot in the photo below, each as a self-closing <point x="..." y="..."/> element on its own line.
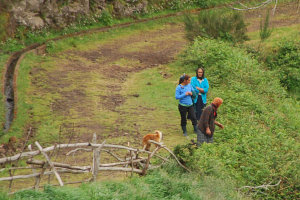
<point x="184" y="130"/>
<point x="195" y="129"/>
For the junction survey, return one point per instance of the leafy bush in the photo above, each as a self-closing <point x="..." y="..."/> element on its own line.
<point x="265" y="31"/>
<point x="260" y="142"/>
<point x="184" y="152"/>
<point x="287" y="61"/>
<point x="209" y="3"/>
<point x="105" y="18"/>
<point x="226" y="25"/>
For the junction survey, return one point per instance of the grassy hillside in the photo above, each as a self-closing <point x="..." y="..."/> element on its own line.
<point x="260" y="143"/>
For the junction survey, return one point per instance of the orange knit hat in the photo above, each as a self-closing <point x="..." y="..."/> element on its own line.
<point x="217" y="101"/>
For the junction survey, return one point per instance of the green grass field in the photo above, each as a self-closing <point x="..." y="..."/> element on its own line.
<point x="259" y="145"/>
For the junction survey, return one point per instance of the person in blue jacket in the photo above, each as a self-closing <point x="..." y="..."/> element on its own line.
<point x="200" y="85"/>
<point x="184" y="95"/>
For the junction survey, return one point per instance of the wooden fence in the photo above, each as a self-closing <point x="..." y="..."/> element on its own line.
<point x="132" y="162"/>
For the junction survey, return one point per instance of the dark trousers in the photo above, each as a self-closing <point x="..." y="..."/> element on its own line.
<point x="199" y="106"/>
<point x="184" y="110"/>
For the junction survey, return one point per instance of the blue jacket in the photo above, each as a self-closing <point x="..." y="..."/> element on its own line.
<point x="180" y="94"/>
<point x="204" y="85"/>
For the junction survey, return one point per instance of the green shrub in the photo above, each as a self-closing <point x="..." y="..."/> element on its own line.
<point x="184" y="153"/>
<point x="226" y="25"/>
<point x="105" y="18"/>
<point x="287" y="61"/>
<point x="208" y="3"/>
<point x="264" y="31"/>
<point x="260" y="142"/>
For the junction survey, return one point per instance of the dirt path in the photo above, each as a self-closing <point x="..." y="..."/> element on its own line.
<point x="87" y="84"/>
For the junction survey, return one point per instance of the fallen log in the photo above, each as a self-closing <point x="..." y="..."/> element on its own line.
<point x="50" y="163"/>
<point x="61" y="165"/>
<point x="38" y="174"/>
<point x="122" y="163"/>
<point x="120" y="169"/>
<point x="59" y="146"/>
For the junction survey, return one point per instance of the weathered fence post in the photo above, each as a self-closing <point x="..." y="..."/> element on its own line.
<point x="50" y="163"/>
<point x="10" y="182"/>
<point x="131" y="161"/>
<point x="36" y="184"/>
<point x="96" y="158"/>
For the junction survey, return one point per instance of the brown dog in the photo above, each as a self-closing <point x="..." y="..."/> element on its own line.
<point x="157" y="136"/>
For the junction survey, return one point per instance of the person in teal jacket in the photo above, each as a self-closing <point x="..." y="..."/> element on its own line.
<point x="200" y="85"/>
<point x="183" y="93"/>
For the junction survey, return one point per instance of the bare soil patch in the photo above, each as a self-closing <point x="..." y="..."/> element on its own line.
<point x="77" y="71"/>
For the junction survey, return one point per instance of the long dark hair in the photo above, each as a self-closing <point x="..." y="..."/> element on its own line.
<point x="197" y="73"/>
<point x="183" y="78"/>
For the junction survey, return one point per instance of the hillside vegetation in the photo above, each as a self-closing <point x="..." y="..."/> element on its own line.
<point x="259" y="145"/>
<point x="260" y="142"/>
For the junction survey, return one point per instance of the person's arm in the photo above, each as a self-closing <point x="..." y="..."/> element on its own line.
<point x="206" y="115"/>
<point x="205" y="86"/>
<point x="219" y="124"/>
<point x="178" y="95"/>
<point x="201" y="90"/>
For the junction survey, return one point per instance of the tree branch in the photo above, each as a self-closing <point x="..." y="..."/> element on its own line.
<point x="251" y="8"/>
<point x="163" y="146"/>
<point x="266" y="187"/>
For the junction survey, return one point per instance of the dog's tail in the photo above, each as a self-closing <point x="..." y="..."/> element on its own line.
<point x="159" y="133"/>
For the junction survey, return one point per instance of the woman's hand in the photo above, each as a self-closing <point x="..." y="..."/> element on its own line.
<point x="200" y="90"/>
<point x="188" y="93"/>
<point x="208" y="132"/>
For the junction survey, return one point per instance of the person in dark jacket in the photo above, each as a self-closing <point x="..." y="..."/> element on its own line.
<point x="207" y="122"/>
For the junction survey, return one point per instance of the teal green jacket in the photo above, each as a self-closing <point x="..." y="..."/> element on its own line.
<point x="204" y="85"/>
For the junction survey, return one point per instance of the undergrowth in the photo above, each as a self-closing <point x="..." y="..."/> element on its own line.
<point x="218" y="24"/>
<point x="167" y="183"/>
<point x="260" y="142"/>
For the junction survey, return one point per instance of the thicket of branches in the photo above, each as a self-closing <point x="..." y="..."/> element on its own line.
<point x="217" y="24"/>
